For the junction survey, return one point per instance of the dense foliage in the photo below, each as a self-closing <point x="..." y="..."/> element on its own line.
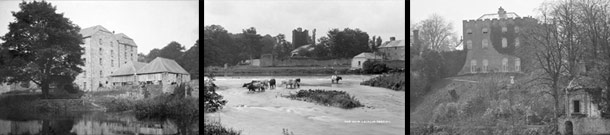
<point x="348" y="43"/>
<point x="212" y="101"/>
<point x="374" y="67"/>
<point x="331" y="98"/>
<point x="41" y="46"/>
<point x="395" y="81"/>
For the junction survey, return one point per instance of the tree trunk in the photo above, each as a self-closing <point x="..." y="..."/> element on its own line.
<point x="45" y="88"/>
<point x="556" y="106"/>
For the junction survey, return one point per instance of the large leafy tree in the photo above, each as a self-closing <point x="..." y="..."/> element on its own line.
<point x="348" y="43"/>
<point x="219" y="47"/>
<point x="173" y="50"/>
<point x="152" y="54"/>
<point x="251" y="42"/>
<point x="190" y="60"/>
<point x="435" y="32"/>
<point x="41" y="46"/>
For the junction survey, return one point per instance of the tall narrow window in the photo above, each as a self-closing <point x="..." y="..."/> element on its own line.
<point x="100" y="41"/>
<point x="517" y="65"/>
<point x="485" y="43"/>
<point x="473" y="66"/>
<point x="504" y="42"/>
<point x="100" y="61"/>
<point x="516" y="29"/>
<point x="469" y="44"/>
<point x="85" y="85"/>
<point x="485" y="65"/>
<point x="517" y="42"/>
<point x="101" y="51"/>
<point x="576" y="106"/>
<point x="504" y="29"/>
<point x="469" y="31"/>
<point x="111" y="53"/>
<point x="504" y="65"/>
<point x="485" y="30"/>
<point x="111" y="63"/>
<point x="101" y="73"/>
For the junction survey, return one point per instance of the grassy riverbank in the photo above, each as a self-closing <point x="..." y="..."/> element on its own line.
<point x="394" y="81"/>
<point x="251" y="70"/>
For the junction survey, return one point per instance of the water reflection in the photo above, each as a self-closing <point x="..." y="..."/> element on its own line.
<point x="97" y="123"/>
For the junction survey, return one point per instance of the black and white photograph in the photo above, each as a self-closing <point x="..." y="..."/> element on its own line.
<point x="70" y="67"/>
<point x="519" y="67"/>
<point x="300" y="67"/>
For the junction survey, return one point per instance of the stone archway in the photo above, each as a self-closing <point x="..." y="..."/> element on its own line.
<point x="569" y="128"/>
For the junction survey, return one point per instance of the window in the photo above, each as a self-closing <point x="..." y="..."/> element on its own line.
<point x="101" y="51"/>
<point x="485" y="43"/>
<point x="100" y="41"/>
<point x="517" y="65"/>
<point x="101" y="73"/>
<point x="85" y="61"/>
<point x="516" y="29"/>
<point x="100" y="61"/>
<point x="469" y="31"/>
<point x="485" y="65"/>
<point x="517" y="42"/>
<point x="504" y="29"/>
<point x="504" y="42"/>
<point x="473" y="66"/>
<point x="576" y="106"/>
<point x="469" y="44"/>
<point x="84" y="85"/>
<point x="111" y="63"/>
<point x="359" y="63"/>
<point x="111" y="44"/>
<point x="504" y="64"/>
<point x="112" y="53"/>
<point x="485" y="30"/>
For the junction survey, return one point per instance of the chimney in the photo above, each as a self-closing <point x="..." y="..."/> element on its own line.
<point x="501" y="13"/>
<point x="393" y="38"/>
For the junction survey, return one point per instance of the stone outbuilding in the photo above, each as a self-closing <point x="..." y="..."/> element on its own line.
<point x="393" y="49"/>
<point x="164" y="72"/>
<point x="359" y="59"/>
<point x="127" y="75"/>
<point x="582" y="113"/>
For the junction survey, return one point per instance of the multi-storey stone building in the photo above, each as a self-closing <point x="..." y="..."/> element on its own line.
<point x="491" y="40"/>
<point x="105" y="52"/>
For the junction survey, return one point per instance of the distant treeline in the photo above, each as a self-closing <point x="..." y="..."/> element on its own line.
<point x="222" y="47"/>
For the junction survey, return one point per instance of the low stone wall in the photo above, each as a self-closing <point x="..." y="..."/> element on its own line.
<point x="312" y="62"/>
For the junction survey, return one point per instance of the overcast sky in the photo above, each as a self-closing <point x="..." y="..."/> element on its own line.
<point x="385" y="18"/>
<point x="151" y="24"/>
<point x="455" y="11"/>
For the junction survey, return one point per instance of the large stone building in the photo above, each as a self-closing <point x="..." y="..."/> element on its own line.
<point x="105" y="52"/>
<point x="393" y="49"/>
<point x="490" y="42"/>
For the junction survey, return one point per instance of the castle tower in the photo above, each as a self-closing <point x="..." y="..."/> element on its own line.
<point x="490" y="42"/>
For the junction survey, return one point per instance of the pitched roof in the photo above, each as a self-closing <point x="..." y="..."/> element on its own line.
<point x="86" y="32"/>
<point x="124" y="39"/>
<point x="159" y="65"/>
<point x="395" y="43"/>
<point x="129" y="69"/>
<point x="367" y="55"/>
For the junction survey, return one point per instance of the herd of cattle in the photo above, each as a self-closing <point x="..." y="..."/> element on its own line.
<point x="261" y="85"/>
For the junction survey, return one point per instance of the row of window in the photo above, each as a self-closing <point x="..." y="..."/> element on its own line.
<point x="485" y="30"/>
<point x="484" y="68"/>
<point x="485" y="43"/>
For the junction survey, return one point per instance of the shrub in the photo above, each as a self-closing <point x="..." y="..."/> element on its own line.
<point x="212" y="101"/>
<point x="116" y="104"/>
<point x="395" y="81"/>
<point x="215" y="128"/>
<point x="331" y="98"/>
<point x="374" y="67"/>
<point x="169" y="106"/>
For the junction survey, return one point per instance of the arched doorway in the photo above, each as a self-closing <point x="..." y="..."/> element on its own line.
<point x="569" y="126"/>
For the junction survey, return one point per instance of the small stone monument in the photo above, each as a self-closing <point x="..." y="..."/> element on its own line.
<point x="512" y="80"/>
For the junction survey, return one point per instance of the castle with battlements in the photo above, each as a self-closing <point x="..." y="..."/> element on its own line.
<point x="490" y="42"/>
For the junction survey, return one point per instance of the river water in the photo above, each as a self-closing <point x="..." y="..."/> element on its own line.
<point x="267" y="113"/>
<point x="90" y="123"/>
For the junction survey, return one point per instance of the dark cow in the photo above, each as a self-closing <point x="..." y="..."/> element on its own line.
<point x="298" y="82"/>
<point x="272" y="84"/>
<point x="335" y="78"/>
<point x="252" y="86"/>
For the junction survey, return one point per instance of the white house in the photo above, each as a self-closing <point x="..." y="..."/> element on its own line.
<point x="359" y="59"/>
